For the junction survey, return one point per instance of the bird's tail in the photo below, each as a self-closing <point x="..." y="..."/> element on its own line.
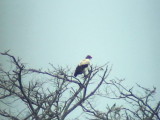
<point x="75" y="74"/>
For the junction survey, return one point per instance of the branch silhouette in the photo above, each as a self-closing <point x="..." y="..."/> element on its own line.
<point x="55" y="94"/>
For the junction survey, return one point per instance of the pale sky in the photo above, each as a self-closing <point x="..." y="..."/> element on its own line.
<point x="124" y="32"/>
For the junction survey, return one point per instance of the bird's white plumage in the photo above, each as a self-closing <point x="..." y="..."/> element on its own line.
<point x="84" y="62"/>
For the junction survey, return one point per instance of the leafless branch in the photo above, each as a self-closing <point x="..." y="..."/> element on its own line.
<point x="59" y="93"/>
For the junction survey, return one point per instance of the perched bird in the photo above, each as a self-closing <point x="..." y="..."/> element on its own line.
<point x="82" y="65"/>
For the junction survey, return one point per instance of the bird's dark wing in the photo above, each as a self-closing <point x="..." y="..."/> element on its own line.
<point x="79" y="69"/>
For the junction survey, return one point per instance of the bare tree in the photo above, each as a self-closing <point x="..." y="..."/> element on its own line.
<point x="56" y="93"/>
<point x="63" y="96"/>
<point x="138" y="105"/>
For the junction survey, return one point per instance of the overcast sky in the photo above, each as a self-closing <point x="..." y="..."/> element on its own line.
<point x="124" y="32"/>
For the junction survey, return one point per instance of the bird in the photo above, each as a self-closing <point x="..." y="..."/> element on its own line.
<point x="82" y="65"/>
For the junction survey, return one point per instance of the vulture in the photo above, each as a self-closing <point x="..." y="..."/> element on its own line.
<point x="82" y="65"/>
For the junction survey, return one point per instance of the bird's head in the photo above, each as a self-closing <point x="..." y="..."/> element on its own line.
<point x="89" y="57"/>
